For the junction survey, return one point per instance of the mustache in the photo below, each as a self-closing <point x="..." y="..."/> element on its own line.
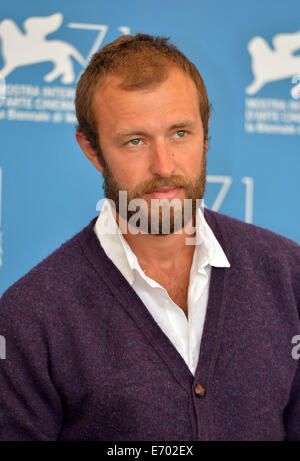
<point x="156" y="183"/>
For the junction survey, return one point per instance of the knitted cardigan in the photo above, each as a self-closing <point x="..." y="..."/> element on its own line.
<point x="85" y="360"/>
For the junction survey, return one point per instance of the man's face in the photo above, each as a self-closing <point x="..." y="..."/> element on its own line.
<point x="152" y="141"/>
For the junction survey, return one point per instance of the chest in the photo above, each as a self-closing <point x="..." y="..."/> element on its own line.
<point x="177" y="286"/>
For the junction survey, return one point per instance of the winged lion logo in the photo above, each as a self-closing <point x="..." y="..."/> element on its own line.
<point x="22" y="49"/>
<point x="269" y="65"/>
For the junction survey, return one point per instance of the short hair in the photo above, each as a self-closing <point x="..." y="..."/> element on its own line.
<point x="143" y="61"/>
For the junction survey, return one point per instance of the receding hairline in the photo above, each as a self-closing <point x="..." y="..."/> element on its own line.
<point x="122" y="83"/>
<point x="142" y="60"/>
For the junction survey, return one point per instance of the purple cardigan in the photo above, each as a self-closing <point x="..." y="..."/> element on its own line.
<point x="85" y="360"/>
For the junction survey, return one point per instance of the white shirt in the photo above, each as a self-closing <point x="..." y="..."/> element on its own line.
<point x="185" y="334"/>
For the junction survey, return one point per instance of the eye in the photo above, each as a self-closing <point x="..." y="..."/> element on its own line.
<point x="180" y="134"/>
<point x="134" y="142"/>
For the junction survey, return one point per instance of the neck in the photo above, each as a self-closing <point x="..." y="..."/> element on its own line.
<point x="162" y="251"/>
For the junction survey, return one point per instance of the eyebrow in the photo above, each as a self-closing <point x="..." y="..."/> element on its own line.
<point x="128" y="133"/>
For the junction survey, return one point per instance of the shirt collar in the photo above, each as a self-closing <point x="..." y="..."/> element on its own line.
<point x="207" y="248"/>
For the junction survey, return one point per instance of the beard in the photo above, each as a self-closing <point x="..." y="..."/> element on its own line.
<point x="176" y="212"/>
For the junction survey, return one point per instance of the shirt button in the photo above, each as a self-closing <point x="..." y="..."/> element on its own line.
<point x="200" y="391"/>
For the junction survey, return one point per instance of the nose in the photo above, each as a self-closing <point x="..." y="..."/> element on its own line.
<point x="162" y="160"/>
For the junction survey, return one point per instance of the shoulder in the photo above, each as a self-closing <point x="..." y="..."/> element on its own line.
<point x="54" y="277"/>
<point x="258" y="257"/>
<point x="249" y="240"/>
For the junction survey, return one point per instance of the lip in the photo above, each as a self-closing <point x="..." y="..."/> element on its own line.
<point x="165" y="193"/>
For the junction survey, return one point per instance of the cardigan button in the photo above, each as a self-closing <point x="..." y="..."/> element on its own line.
<point x="200" y="391"/>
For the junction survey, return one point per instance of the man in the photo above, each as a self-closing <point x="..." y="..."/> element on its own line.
<point x="132" y="332"/>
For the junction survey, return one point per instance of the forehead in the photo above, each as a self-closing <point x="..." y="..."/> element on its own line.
<point x="176" y="96"/>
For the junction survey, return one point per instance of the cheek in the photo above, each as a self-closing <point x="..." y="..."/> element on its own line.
<point x="133" y="170"/>
<point x="130" y="174"/>
<point x="191" y="163"/>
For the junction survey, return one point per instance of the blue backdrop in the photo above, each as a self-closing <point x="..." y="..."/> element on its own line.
<point x="248" y="55"/>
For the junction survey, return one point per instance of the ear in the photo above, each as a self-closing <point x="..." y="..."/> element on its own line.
<point x="206" y="141"/>
<point x="89" y="152"/>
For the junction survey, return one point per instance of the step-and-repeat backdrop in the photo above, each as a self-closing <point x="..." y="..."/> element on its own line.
<point x="249" y="56"/>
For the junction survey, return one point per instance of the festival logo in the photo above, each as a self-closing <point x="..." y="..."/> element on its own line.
<point x="269" y="65"/>
<point x="275" y="115"/>
<point x="21" y="49"/>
